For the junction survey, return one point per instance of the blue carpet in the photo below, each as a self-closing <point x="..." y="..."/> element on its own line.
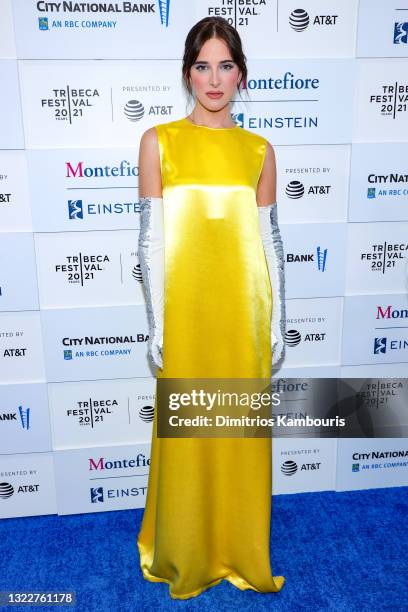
<point x="338" y="551"/>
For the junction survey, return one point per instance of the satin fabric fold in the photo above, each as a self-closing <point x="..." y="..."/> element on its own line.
<point x="208" y="506"/>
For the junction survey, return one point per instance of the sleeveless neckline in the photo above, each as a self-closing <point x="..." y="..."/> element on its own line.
<point x="208" y="127"/>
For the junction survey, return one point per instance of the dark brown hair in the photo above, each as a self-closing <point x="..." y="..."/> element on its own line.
<point x="203" y="30"/>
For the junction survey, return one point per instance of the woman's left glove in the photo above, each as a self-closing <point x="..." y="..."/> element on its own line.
<point x="151" y="257"/>
<point x="273" y="247"/>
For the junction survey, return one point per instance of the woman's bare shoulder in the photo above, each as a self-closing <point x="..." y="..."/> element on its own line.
<point x="149" y="139"/>
<point x="149" y="164"/>
<point x="266" y="191"/>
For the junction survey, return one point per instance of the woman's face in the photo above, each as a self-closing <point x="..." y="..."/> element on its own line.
<point x="214" y="71"/>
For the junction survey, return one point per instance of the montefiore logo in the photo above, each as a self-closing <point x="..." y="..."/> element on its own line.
<point x="383" y="344"/>
<point x="118" y="464"/>
<point x="388" y="312"/>
<point x="288" y="82"/>
<point x="82" y="170"/>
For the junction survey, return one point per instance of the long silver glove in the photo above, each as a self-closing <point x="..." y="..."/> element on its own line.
<point x="151" y="257"/>
<point x="273" y="247"/>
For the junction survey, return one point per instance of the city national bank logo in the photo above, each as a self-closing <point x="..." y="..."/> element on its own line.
<point x="161" y="7"/>
<point x="393" y="459"/>
<point x="107" y="344"/>
<point x="23" y="414"/>
<point x="299" y="20"/>
<point x="400" y="33"/>
<point x="320" y="258"/>
<point x="393" y="185"/>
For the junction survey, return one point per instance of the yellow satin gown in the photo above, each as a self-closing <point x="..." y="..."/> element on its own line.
<point x="208" y="506"/>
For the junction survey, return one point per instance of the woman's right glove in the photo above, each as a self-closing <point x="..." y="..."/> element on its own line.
<point x="273" y="247"/>
<point x="151" y="258"/>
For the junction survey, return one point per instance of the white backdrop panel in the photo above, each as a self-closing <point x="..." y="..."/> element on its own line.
<point x="314" y="262"/>
<point x="27" y="485"/>
<point x="312" y="331"/>
<point x="102" y="413"/>
<point x="361" y="465"/>
<point x="299" y="101"/>
<point x="97" y="104"/>
<point x="24" y="419"/>
<point x="15" y="209"/>
<point x="55" y="30"/>
<point x="11" y="124"/>
<point x="111" y="478"/>
<point x="379" y="322"/>
<point x="7" y="42"/>
<point x="87" y="189"/>
<point x="381" y="100"/>
<point x="95" y="343"/>
<point x="382" y="29"/>
<point x="379" y="182"/>
<point x="96" y="268"/>
<point x="18" y="282"/>
<point x="377" y="258"/>
<point x="312" y="183"/>
<point x="21" y="347"/>
<point x="303" y="464"/>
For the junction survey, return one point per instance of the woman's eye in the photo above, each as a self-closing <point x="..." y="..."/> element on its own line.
<point x="227" y="66"/>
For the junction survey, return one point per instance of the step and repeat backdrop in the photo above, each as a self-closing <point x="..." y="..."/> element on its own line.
<point x="80" y="83"/>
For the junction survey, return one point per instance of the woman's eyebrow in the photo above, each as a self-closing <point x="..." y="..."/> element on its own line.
<point x="226" y="61"/>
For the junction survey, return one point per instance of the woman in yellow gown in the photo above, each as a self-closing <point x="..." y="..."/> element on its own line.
<point x="208" y="506"/>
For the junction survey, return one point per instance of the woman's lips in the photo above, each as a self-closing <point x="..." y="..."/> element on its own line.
<point x="214" y="95"/>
